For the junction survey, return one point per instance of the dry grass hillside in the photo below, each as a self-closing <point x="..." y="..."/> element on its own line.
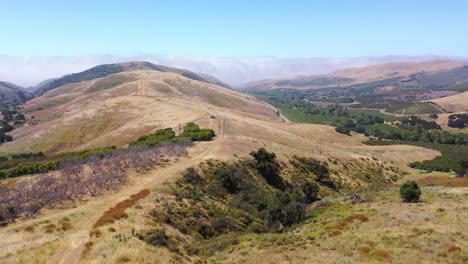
<point x="454" y="103"/>
<point x="359" y="75"/>
<point x="121" y="107"/>
<point x="397" y="69"/>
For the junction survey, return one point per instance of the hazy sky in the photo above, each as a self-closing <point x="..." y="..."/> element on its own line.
<point x="239" y="28"/>
<point x="237" y="41"/>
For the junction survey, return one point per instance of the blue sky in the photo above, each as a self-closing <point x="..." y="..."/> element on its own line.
<point x="235" y="28"/>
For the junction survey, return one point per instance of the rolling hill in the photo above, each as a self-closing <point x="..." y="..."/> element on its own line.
<point x="12" y="94"/>
<point x="442" y="70"/>
<point x="120" y="107"/>
<point x="108" y="69"/>
<point x="454" y="103"/>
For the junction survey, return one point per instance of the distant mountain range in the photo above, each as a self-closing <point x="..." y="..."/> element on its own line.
<point x="440" y="72"/>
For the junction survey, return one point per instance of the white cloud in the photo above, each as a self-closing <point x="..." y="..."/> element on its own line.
<point x="29" y="71"/>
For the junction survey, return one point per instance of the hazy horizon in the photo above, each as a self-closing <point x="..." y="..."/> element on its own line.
<point x="30" y="71"/>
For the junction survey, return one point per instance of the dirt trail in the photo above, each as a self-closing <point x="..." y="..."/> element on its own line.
<point x="72" y="243"/>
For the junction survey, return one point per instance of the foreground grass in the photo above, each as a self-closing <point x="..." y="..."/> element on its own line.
<point x="384" y="230"/>
<point x="381" y="230"/>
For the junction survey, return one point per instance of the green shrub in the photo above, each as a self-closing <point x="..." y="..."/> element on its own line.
<point x="29" y="168"/>
<point x="194" y="132"/>
<point x="191" y="176"/>
<point x="158" y="137"/>
<point x="410" y="192"/>
<point x="311" y="190"/>
<point x="191" y="127"/>
<point x="191" y="132"/>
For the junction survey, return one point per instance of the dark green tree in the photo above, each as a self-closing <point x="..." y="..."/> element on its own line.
<point x="268" y="168"/>
<point x="462" y="170"/>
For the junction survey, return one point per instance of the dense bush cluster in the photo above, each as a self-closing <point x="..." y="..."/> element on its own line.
<point x="431" y="136"/>
<point x="26" y="168"/>
<point x="25" y="155"/>
<point x="191" y="132"/>
<point x="78" y="178"/>
<point x="5" y="127"/>
<point x="458" y="120"/>
<point x="161" y="135"/>
<point x="414" y="123"/>
<point x="244" y="196"/>
<point x="19" y="164"/>
<point x="11" y="118"/>
<point x="357" y="124"/>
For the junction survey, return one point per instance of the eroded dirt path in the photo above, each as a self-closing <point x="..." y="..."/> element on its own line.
<point x="71" y="244"/>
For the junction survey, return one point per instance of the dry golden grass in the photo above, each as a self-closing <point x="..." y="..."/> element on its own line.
<point x="118" y="115"/>
<point x="146" y="101"/>
<point x="454" y="103"/>
<point x="394" y="69"/>
<point x="443" y="181"/>
<point x="33" y="254"/>
<point x="442" y="120"/>
<point x="368" y="73"/>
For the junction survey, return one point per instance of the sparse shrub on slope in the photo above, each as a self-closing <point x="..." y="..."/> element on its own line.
<point x="410" y="192"/>
<point x="29" y="168"/>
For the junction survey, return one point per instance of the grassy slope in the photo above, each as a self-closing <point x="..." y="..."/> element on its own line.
<point x="454" y="103"/>
<point x="391" y="231"/>
<point x="358" y="75"/>
<point x="151" y="103"/>
<point x="119" y="108"/>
